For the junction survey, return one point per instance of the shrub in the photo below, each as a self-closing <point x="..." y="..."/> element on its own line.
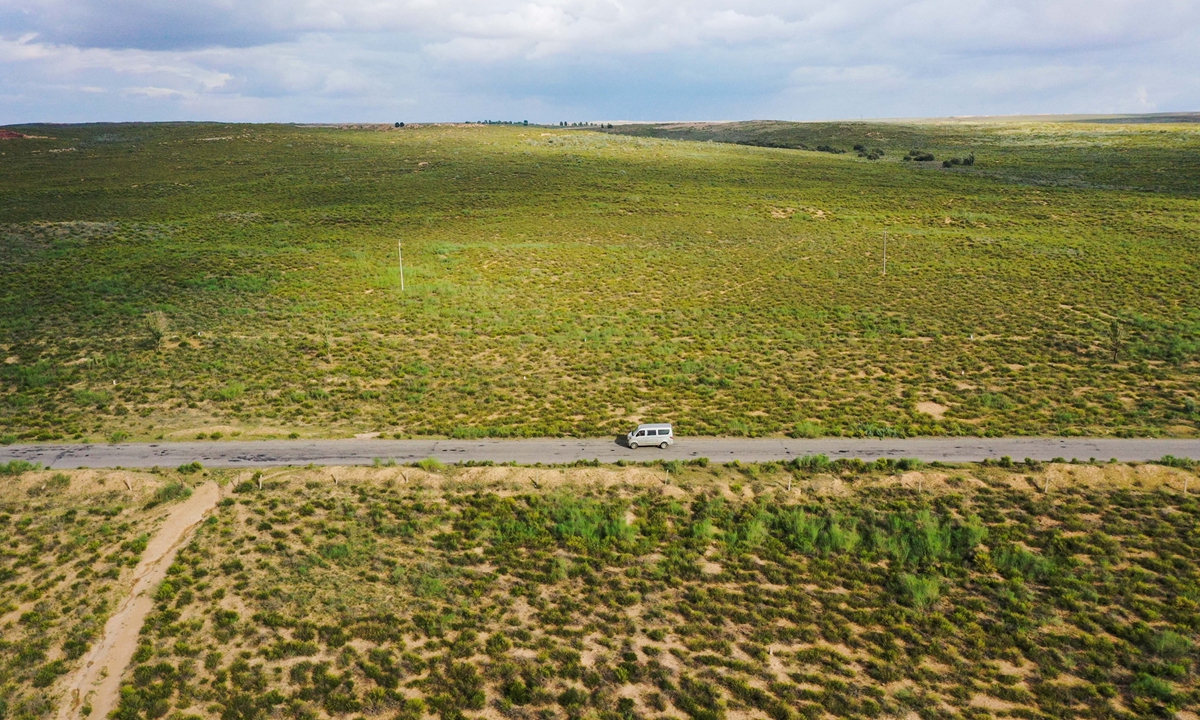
<point x="498" y="644"/>
<point x="807" y="429"/>
<point x="1177" y="462"/>
<point x="1149" y="686"/>
<point x="17" y="467"/>
<point x="430" y="465"/>
<point x="1012" y="559"/>
<point x="1170" y="645"/>
<point x="573" y="698"/>
<point x="190" y="468"/>
<point x="811" y="463"/>
<point x="97" y="398"/>
<point x="232" y="391"/>
<point x="170" y="492"/>
<point x="48" y="673"/>
<point x="918" y="591"/>
<point x="335" y="551"/>
<point x="596" y="524"/>
<point x="56" y="483"/>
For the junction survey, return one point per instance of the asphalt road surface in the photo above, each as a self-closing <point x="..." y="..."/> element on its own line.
<point x="271" y="453"/>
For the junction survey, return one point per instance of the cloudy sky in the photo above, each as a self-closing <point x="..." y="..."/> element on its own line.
<point x="552" y="60"/>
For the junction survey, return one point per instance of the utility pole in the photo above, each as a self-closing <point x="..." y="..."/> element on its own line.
<point x="885" y="252"/>
<point x="400" y="254"/>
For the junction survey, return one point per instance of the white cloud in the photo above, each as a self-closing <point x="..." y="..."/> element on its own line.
<point x="66" y="60"/>
<point x="451" y="59"/>
<point x="154" y="92"/>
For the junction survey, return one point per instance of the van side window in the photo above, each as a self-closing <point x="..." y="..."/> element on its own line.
<point x="664" y="432"/>
<point x="640" y="433"/>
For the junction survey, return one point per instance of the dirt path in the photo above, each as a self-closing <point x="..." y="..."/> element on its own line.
<point x="98" y="679"/>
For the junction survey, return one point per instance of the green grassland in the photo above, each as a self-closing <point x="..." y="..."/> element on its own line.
<point x="172" y="280"/>
<point x="808" y="590"/>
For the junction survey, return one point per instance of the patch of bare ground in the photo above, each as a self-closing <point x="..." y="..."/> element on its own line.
<point x="932" y="409"/>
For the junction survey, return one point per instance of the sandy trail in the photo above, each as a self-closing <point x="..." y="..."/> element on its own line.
<point x="98" y="679"/>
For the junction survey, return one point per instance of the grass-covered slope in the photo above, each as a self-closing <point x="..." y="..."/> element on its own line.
<point x="727" y="592"/>
<point x="168" y="280"/>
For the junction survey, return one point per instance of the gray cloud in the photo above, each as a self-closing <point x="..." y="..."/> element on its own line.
<point x="576" y="59"/>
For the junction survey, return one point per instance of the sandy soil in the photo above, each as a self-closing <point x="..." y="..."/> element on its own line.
<point x="932" y="409"/>
<point x="97" y="681"/>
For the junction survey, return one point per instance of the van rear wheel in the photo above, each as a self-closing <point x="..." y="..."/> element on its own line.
<point x="632" y="445"/>
<point x="662" y="445"/>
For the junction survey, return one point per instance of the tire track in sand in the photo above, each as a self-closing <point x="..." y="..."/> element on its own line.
<point x="97" y="681"/>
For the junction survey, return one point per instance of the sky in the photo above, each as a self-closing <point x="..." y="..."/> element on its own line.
<point x="591" y="60"/>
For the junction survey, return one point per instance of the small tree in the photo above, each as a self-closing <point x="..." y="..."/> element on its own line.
<point x="1115" y="338"/>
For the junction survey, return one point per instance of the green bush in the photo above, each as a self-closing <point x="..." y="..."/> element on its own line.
<point x="807" y="429"/>
<point x="1145" y="685"/>
<point x="18" y="467"/>
<point x="811" y="463"/>
<point x="48" y="673"/>
<point x="1170" y="645"/>
<point x="170" y="492"/>
<point x="1011" y="559"/>
<point x="232" y="391"/>
<point x="430" y="465"/>
<point x="1177" y="462"/>
<point x="920" y="592"/>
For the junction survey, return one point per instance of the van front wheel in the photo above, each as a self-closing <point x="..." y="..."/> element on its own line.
<point x="662" y="446"/>
<point x="632" y="446"/>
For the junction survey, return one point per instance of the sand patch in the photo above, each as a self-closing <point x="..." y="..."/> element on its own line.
<point x="932" y="408"/>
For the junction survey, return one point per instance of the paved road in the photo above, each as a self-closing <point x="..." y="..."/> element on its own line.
<point x="266" y="453"/>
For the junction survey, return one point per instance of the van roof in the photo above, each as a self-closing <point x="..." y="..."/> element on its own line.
<point x="654" y="425"/>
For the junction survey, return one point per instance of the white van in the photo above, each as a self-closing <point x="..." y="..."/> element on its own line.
<point x="660" y="434"/>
